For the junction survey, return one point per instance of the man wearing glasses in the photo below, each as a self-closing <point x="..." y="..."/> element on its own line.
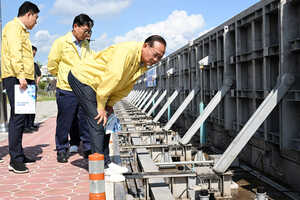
<point x="66" y="53"/>
<point x="105" y="78"/>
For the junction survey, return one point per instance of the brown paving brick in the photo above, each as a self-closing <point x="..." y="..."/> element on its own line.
<point x="69" y="185"/>
<point x="11" y="180"/>
<point x="80" y="197"/>
<point x="39" y="196"/>
<point x="68" y="173"/>
<point x="4" y="194"/>
<point x="47" y="178"/>
<point x="5" y="198"/>
<point x="81" y="190"/>
<point x="48" y="175"/>
<point x="16" y="176"/>
<point x="45" y="167"/>
<point x="65" y="179"/>
<point x="40" y="180"/>
<point x="3" y="166"/>
<point x="34" y="186"/>
<point x="57" y="191"/>
<point x="56" y="198"/>
<point x="8" y="187"/>
<point x="26" y="193"/>
<point x="83" y="183"/>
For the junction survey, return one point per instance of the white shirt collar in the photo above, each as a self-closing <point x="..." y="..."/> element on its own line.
<point x="75" y="40"/>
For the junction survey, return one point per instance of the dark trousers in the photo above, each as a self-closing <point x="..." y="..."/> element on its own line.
<point x="68" y="109"/>
<point x="87" y="99"/>
<point x="74" y="132"/>
<point x="16" y="121"/>
<point x="79" y="130"/>
<point x="29" y="120"/>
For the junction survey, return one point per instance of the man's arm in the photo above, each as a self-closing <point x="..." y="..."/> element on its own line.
<point x="54" y="58"/>
<point x="14" y="41"/>
<point x="110" y="80"/>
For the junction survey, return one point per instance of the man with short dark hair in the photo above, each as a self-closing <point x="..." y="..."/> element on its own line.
<point x="104" y="79"/>
<point x="66" y="53"/>
<point x="17" y="68"/>
<point x="29" y="120"/>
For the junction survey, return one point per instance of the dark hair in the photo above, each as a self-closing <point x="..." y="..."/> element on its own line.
<point x="26" y="7"/>
<point x="150" y="40"/>
<point x="34" y="48"/>
<point x="82" y="20"/>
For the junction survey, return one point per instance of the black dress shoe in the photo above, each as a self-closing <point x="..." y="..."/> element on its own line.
<point x="62" y="157"/>
<point x="35" y="126"/>
<point x="32" y="128"/>
<point x="27" y="130"/>
<point x="86" y="154"/>
<point x="28" y="160"/>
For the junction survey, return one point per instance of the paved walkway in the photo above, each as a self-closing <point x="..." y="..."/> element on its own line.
<point x="45" y="110"/>
<point x="47" y="179"/>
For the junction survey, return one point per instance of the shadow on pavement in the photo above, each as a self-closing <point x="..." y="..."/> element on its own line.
<point x="82" y="163"/>
<point x="32" y="152"/>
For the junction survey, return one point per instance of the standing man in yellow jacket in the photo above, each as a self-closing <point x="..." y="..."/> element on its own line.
<point x="102" y="80"/>
<point x="66" y="53"/>
<point x="17" y="67"/>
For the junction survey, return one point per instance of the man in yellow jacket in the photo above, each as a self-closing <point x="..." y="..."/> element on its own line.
<point x="102" y="80"/>
<point x="17" y="67"/>
<point x="66" y="53"/>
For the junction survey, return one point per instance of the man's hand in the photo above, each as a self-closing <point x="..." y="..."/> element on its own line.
<point x="109" y="110"/>
<point x="23" y="83"/>
<point x="101" y="117"/>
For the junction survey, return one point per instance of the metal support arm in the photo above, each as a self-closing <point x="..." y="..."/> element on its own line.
<point x="207" y="111"/>
<point x="258" y="117"/>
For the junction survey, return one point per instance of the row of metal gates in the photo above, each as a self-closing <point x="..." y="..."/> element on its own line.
<point x="240" y="79"/>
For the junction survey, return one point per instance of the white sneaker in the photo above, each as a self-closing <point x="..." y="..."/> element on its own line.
<point x="73" y="149"/>
<point x="115" y="178"/>
<point x="115" y="169"/>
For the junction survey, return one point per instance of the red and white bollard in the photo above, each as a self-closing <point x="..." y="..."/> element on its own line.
<point x="96" y="176"/>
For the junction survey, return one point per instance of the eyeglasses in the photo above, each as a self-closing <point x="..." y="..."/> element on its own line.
<point x="87" y="31"/>
<point x="156" y="54"/>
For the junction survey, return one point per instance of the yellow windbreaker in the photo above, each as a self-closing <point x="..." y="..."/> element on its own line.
<point x="112" y="72"/>
<point x="63" y="56"/>
<point x="16" y="52"/>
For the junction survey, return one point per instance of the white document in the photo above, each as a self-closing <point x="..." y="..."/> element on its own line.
<point x="25" y="100"/>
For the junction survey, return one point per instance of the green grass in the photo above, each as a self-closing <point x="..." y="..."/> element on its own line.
<point x="44" y="96"/>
